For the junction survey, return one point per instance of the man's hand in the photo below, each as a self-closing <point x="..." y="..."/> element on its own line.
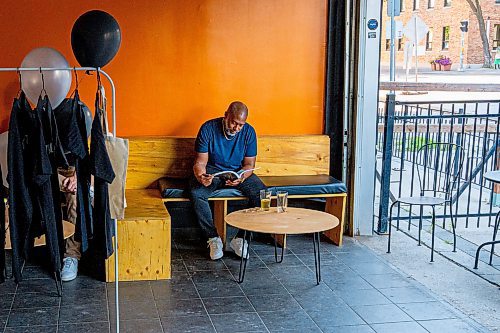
<point x="69" y="184"/>
<point x="205" y="179"/>
<point x="235" y="182"/>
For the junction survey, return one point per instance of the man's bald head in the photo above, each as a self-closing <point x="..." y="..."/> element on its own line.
<point x="235" y="117"/>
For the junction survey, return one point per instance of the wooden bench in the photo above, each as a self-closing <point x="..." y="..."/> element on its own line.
<point x="144" y="233"/>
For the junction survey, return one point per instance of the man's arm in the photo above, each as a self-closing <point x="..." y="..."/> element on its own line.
<point x="200" y="169"/>
<point x="248" y="163"/>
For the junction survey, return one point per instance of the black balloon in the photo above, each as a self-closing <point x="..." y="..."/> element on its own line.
<point x="95" y="38"/>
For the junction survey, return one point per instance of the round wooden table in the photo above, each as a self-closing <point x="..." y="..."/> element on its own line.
<point x="293" y="221"/>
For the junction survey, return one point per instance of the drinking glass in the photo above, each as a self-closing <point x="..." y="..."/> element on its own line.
<point x="265" y="199"/>
<point x="282" y="201"/>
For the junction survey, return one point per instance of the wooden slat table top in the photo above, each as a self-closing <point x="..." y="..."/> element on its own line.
<point x="293" y="221"/>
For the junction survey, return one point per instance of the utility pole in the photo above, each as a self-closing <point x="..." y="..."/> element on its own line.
<point x="464" y="27"/>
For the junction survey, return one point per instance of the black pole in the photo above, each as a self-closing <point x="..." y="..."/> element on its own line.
<point x="385" y="177"/>
<point x="334" y="90"/>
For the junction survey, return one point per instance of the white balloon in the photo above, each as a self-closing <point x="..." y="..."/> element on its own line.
<point x="57" y="83"/>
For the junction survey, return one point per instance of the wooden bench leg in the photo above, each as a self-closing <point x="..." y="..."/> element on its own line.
<point x="220" y="212"/>
<point x="281" y="240"/>
<point x="336" y="207"/>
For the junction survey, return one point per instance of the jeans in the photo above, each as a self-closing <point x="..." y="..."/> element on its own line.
<point x="199" y="195"/>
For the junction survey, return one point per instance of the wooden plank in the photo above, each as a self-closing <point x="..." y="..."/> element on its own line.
<point x="144" y="204"/>
<point x="336" y="207"/>
<point x="144" y="251"/>
<point x="220" y="212"/>
<point x="424" y="86"/>
<point x="151" y="158"/>
<point x="444" y="128"/>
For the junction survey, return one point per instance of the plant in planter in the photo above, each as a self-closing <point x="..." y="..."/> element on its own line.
<point x="445" y="63"/>
<point x="433" y="65"/>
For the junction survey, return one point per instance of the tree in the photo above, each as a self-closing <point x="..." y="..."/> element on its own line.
<point x="476" y="9"/>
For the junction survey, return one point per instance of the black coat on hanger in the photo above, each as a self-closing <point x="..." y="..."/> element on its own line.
<point x="101" y="168"/>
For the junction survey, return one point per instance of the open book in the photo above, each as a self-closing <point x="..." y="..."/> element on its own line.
<point x="232" y="175"/>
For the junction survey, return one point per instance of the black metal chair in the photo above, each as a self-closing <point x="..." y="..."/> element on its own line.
<point x="438" y="167"/>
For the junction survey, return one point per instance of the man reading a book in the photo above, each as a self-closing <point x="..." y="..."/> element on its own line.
<point x="228" y="143"/>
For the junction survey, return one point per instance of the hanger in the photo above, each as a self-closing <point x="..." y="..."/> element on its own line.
<point x="20" y="82"/>
<point x="43" y="84"/>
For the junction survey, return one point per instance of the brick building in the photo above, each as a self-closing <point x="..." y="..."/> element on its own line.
<point x="443" y="18"/>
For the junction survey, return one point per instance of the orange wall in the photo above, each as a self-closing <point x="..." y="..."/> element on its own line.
<point x="182" y="62"/>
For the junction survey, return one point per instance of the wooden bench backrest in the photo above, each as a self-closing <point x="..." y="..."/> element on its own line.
<point x="151" y="158"/>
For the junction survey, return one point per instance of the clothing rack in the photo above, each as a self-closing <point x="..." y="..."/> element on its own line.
<point x="113" y="111"/>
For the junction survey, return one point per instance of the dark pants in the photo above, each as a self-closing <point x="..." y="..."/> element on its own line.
<point x="199" y="195"/>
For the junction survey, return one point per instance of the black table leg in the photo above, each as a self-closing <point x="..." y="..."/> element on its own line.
<point x="243" y="266"/>
<point x="276" y="251"/>
<point x="317" y="258"/>
<point x="59" y="286"/>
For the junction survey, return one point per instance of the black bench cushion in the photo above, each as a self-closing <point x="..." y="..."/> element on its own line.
<point x="294" y="185"/>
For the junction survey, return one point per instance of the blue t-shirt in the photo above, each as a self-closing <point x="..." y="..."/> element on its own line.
<point x="224" y="154"/>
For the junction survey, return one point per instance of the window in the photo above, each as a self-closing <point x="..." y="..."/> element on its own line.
<point x="431" y="3"/>
<point x="400" y="44"/>
<point x="416" y="4"/>
<point x="496" y="40"/>
<point x="402" y="5"/>
<point x="447" y="3"/>
<point x="446" y="38"/>
<point x="387" y="44"/>
<point x="428" y="40"/>
<point x="497" y="2"/>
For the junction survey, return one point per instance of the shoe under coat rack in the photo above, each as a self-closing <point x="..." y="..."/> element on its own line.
<point x="113" y="111"/>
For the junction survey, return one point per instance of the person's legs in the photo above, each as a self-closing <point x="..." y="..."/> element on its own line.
<point x="199" y="198"/>
<point x="73" y="247"/>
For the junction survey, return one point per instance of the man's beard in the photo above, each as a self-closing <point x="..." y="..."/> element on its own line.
<point x="227" y="130"/>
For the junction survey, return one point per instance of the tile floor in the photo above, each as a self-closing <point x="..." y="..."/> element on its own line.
<point x="359" y="292"/>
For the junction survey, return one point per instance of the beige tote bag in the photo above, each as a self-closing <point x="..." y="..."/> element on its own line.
<point x="118" y="154"/>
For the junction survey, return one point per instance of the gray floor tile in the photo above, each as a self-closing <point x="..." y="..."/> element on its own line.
<point x="96" y="327"/>
<point x="80" y="313"/>
<point x="82" y="297"/>
<point x="35" y="272"/>
<point x="234" y="263"/>
<point x="349" y="329"/>
<point x="362" y="297"/>
<point x="4" y="314"/>
<point x="274" y="302"/>
<point x="180" y="307"/>
<point x="407" y="295"/>
<point x="219" y="289"/>
<point x="427" y="310"/>
<point x="187" y="324"/>
<point x="447" y="326"/>
<point x="221" y="305"/>
<point x="139" y="325"/>
<point x="289" y="259"/>
<point x="335" y="316"/>
<point x="35" y="300"/>
<point x="45" y="286"/>
<point x="8" y="287"/>
<point x="32" y="329"/>
<point x="6" y="301"/>
<point x="386" y="313"/>
<point x="84" y="282"/>
<point x="382" y="281"/>
<point x="177" y="265"/>
<point x="288" y="319"/>
<point x="237" y="322"/>
<point x="168" y="290"/>
<point x="326" y="259"/>
<point x="134" y="310"/>
<point x="204" y="265"/>
<point x="35" y="316"/>
<point x="318" y="298"/>
<point x="372" y="267"/>
<point x="212" y="276"/>
<point x="293" y="273"/>
<point x="131" y="292"/>
<point x="402" y="327"/>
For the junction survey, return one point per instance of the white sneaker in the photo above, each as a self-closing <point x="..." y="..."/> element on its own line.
<point x="237" y="245"/>
<point x="216" y="248"/>
<point x="70" y="269"/>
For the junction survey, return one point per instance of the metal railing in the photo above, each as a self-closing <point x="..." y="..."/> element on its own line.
<point x="404" y="127"/>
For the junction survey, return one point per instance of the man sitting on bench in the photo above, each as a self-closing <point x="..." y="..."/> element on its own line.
<point x="222" y="144"/>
